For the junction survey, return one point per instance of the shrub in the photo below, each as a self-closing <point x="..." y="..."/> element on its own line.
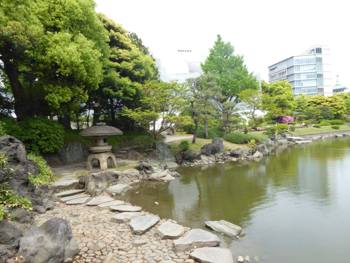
<point x="45" y="175"/>
<point x="184" y="146"/>
<point x="3" y="160"/>
<point x="324" y="123"/>
<point x="336" y="122"/>
<point x="335" y="127"/>
<point x="41" y="135"/>
<point x="10" y="126"/>
<point x="277" y="129"/>
<point x="9" y="199"/>
<point x="242" y="138"/>
<point x="2" y="129"/>
<point x="212" y="133"/>
<point x="252" y="144"/>
<point x="317" y="126"/>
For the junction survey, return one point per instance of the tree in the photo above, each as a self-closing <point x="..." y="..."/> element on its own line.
<point x="127" y="69"/>
<point x="230" y="74"/>
<point x="52" y="53"/>
<point x="326" y="108"/>
<point x="278" y="99"/>
<point x="253" y="99"/>
<point x="161" y="102"/>
<point x="203" y="94"/>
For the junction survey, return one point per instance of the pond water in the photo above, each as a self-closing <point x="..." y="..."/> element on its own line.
<point x="294" y="207"/>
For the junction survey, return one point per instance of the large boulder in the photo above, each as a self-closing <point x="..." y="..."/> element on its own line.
<point x="9" y="233"/>
<point x="13" y="149"/>
<point x="73" y="152"/>
<point x="216" y="146"/>
<point x="96" y="183"/>
<point x="52" y="242"/>
<point x="186" y="156"/>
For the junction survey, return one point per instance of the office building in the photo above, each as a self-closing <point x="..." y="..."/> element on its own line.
<point x="308" y="73"/>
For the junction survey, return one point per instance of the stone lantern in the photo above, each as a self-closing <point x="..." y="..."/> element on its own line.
<point x="100" y="151"/>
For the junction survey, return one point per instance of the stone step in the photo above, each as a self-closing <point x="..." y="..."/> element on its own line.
<point x="71" y="197"/>
<point x="125" y="216"/>
<point x="99" y="200"/>
<point x="196" y="238"/>
<point x="78" y="201"/>
<point x="212" y="255"/>
<point x="170" y="230"/>
<point x="112" y="203"/>
<point x="118" y="189"/>
<point x="141" y="224"/>
<point x="70" y="192"/>
<point x="225" y="227"/>
<point x="65" y="184"/>
<point x="125" y="208"/>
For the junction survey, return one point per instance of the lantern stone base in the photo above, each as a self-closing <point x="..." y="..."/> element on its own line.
<point x="103" y="160"/>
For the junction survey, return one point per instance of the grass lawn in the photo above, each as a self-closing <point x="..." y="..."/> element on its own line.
<point x="322" y="129"/>
<point x="200" y="142"/>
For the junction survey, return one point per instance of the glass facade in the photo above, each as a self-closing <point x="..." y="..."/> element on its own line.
<point x="304" y="72"/>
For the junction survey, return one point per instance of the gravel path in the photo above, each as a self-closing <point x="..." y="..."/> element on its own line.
<point x="103" y="241"/>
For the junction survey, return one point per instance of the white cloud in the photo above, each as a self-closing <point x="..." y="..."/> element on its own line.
<point x="263" y="31"/>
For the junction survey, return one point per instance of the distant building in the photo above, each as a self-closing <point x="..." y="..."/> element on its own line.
<point x="182" y="64"/>
<point x="308" y="73"/>
<point x="338" y="88"/>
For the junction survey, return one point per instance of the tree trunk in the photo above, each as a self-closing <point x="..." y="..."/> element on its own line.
<point x="195" y="132"/>
<point x="65" y="121"/>
<point x="23" y="107"/>
<point x="206" y="133"/>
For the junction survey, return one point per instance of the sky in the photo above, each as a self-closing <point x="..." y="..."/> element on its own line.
<point x="263" y="31"/>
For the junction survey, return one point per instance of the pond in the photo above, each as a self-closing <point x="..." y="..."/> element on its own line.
<point x="294" y="207"/>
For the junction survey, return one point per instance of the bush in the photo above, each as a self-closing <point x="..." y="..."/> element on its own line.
<point x="45" y="175"/>
<point x="242" y="138"/>
<point x="9" y="199"/>
<point x="3" y="160"/>
<point x="2" y="129"/>
<point x="212" y="133"/>
<point x="41" y="135"/>
<point x="141" y="141"/>
<point x="336" y="122"/>
<point x="324" y="123"/>
<point x="277" y="129"/>
<point x="10" y="126"/>
<point x="335" y="127"/>
<point x="184" y="146"/>
<point x="317" y="126"/>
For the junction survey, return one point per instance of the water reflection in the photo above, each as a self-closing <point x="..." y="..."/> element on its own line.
<point x="284" y="201"/>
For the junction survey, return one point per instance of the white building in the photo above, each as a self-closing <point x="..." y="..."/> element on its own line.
<point x="309" y="73"/>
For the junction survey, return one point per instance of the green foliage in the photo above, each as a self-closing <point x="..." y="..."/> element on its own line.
<point x="252" y="144"/>
<point x="45" y="175"/>
<point x="2" y="212"/>
<point x="11" y="127"/>
<point x="336" y="122"/>
<point x="2" y="129"/>
<point x="324" y="123"/>
<point x="230" y="75"/>
<point x="3" y="160"/>
<point x="242" y="138"/>
<point x="42" y="135"/>
<point x="335" y="127"/>
<point x="160" y="100"/>
<point x="213" y="132"/>
<point x="135" y="140"/>
<point x="9" y="199"/>
<point x="278" y="98"/>
<point x="53" y="53"/>
<point x="278" y="129"/>
<point x="183" y="146"/>
<point x="317" y="126"/>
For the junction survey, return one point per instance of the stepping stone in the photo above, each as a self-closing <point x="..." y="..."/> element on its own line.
<point x="170" y="230"/>
<point x="224" y="227"/>
<point x="118" y="189"/>
<point x="212" y="255"/>
<point x="196" y="238"/>
<point x="65" y="183"/>
<point x="125" y="217"/>
<point x="125" y="208"/>
<point x="78" y="201"/>
<point x="141" y="224"/>
<point x="99" y="200"/>
<point x="69" y="192"/>
<point x="72" y="197"/>
<point x="112" y="203"/>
